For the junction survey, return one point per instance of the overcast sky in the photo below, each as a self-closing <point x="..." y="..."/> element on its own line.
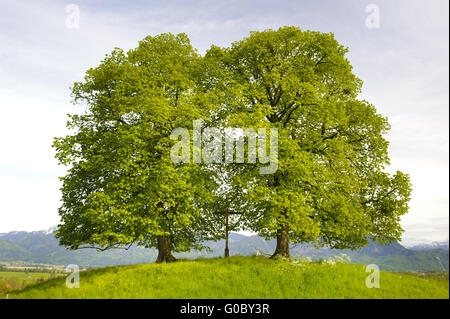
<point x="403" y="62"/>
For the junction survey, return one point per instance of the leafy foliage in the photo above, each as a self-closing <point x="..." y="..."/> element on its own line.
<point x="330" y="187"/>
<point x="122" y="187"/>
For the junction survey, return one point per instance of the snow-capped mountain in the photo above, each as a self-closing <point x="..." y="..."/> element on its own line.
<point x="431" y="245"/>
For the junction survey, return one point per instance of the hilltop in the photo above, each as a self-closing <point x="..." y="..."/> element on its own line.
<point x="238" y="277"/>
<point x="41" y="247"/>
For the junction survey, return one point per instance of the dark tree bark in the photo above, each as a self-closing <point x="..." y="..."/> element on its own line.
<point x="164" y="253"/>
<point x="227" y="251"/>
<point x="282" y="248"/>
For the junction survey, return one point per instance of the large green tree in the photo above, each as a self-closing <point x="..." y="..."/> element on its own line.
<point x="122" y="187"/>
<point x="330" y="187"/>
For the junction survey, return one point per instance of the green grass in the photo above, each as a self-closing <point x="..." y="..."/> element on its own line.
<point x="238" y="277"/>
<point x="22" y="276"/>
<point x="16" y="280"/>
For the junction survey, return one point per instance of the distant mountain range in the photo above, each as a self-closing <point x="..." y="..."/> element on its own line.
<point x="432" y="245"/>
<point x="43" y="248"/>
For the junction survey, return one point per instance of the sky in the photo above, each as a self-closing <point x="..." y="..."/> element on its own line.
<point x="400" y="49"/>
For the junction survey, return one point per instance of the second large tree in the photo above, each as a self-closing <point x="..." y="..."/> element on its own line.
<point x="330" y="187"/>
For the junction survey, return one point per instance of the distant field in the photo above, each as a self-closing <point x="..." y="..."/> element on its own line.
<point x="239" y="277"/>
<point x="14" y="280"/>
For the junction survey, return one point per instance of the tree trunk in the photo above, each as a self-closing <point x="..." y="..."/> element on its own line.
<point x="164" y="253"/>
<point x="282" y="243"/>
<point x="227" y="251"/>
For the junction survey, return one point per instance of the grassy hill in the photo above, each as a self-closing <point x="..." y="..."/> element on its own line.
<point x="43" y="248"/>
<point x="238" y="277"/>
